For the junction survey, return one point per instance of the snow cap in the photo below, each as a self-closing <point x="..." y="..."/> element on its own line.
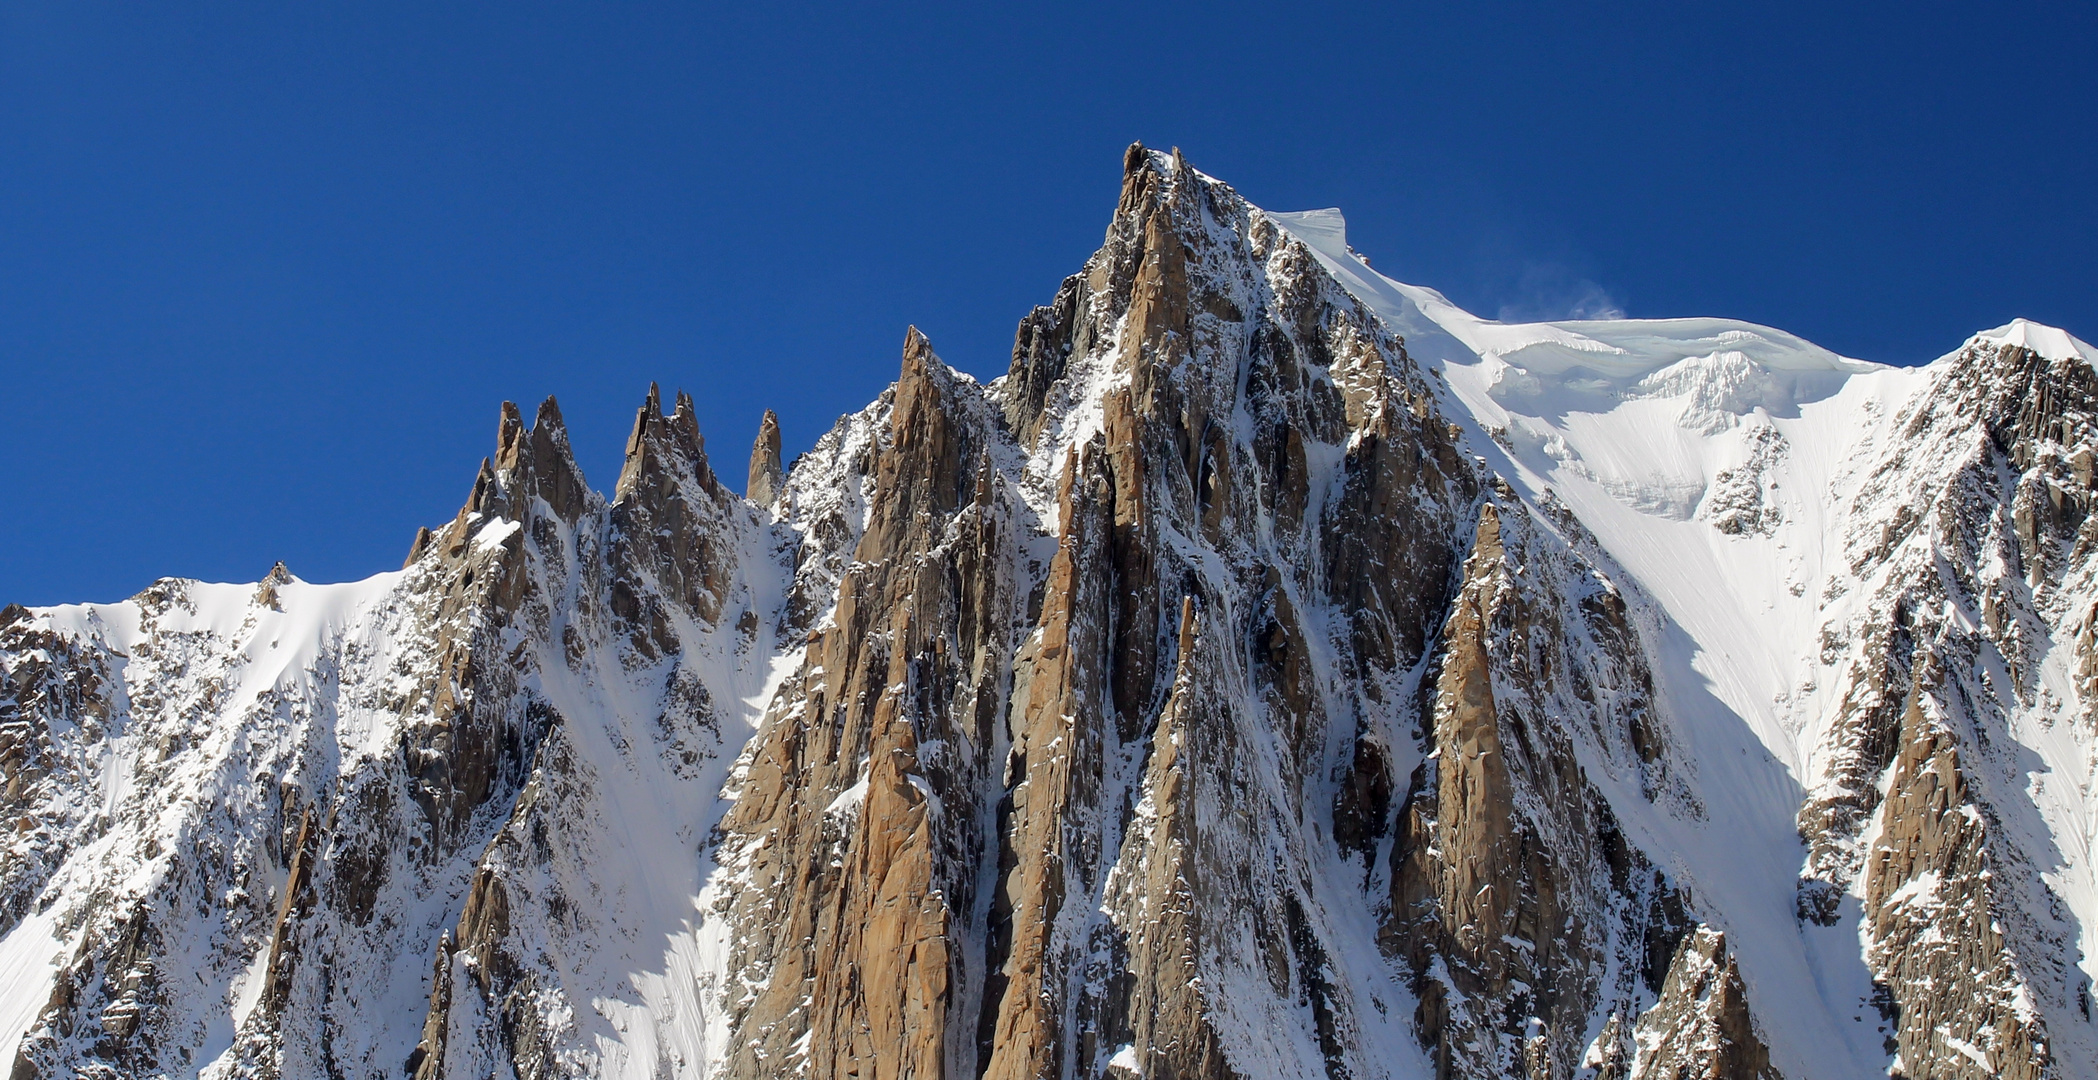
<point x="2050" y="342"/>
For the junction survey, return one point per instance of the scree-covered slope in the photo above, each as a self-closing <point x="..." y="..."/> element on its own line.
<point x="1279" y="672"/>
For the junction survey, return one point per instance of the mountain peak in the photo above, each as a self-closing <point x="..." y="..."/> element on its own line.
<point x="1231" y="689"/>
<point x="2050" y="342"/>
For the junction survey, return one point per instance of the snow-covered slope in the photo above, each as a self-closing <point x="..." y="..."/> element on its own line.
<point x="254" y="811"/>
<point x="1280" y="672"/>
<point x="1726" y="469"/>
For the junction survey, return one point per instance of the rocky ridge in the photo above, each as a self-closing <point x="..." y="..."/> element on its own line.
<point x="1206" y="697"/>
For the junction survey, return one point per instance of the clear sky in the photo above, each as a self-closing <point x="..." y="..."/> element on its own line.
<point x="268" y="269"/>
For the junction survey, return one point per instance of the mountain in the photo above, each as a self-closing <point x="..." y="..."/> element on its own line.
<point x="1278" y="673"/>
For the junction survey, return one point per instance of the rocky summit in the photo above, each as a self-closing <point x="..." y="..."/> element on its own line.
<point x="1278" y="673"/>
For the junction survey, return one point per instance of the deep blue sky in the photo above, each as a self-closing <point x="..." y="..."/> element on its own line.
<point x="266" y="270"/>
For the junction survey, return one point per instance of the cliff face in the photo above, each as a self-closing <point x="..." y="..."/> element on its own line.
<point x="980" y="789"/>
<point x="1217" y="694"/>
<point x="1967" y="647"/>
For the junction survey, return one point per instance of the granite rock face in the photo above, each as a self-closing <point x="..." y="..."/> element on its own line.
<point x="766" y="475"/>
<point x="1206" y="697"/>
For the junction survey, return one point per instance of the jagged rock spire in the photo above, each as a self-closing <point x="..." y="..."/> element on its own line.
<point x="555" y="476"/>
<point x="658" y="439"/>
<point x="766" y="475"/>
<point x="528" y="464"/>
<point x="421" y="544"/>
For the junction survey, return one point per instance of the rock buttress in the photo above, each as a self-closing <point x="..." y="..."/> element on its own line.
<point x="857" y="826"/>
<point x="766" y="476"/>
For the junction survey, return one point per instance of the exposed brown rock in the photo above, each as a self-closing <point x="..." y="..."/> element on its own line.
<point x="1931" y="903"/>
<point x="1507" y="912"/>
<point x="766" y="475"/>
<point x="426" y="1061"/>
<point x="863" y="882"/>
<point x="266" y="592"/>
<point x="1701" y="1027"/>
<point x="54" y="684"/>
<point x="657" y="557"/>
<point x="1054" y="767"/>
<point x="423" y="538"/>
<point x="1124" y="741"/>
<point x="297" y="901"/>
<point x="666" y="515"/>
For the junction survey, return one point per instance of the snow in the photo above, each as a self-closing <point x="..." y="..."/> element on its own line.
<point x="849" y="800"/>
<point x="2048" y="341"/>
<point x="1965" y="1049"/>
<point x="215" y="639"/>
<point x="29" y="958"/>
<point x="652" y="986"/>
<point x="265" y="671"/>
<point x="1617" y="420"/>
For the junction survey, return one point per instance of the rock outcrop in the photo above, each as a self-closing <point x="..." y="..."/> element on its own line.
<point x="1701" y="1028"/>
<point x="766" y="476"/>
